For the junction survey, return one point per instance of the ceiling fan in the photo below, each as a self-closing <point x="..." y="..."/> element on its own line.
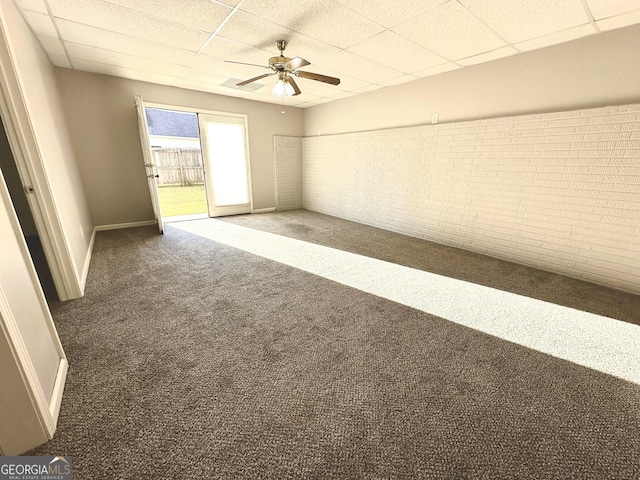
<point x="287" y="68"/>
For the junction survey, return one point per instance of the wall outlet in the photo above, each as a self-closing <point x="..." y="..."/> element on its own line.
<point x="434" y="118"/>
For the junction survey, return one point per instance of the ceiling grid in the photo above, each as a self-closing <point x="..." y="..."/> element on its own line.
<point x="368" y="44"/>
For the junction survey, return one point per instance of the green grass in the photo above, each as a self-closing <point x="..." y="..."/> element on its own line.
<point x="182" y="200"/>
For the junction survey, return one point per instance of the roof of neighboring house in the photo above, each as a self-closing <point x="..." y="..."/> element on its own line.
<point x="169" y="123"/>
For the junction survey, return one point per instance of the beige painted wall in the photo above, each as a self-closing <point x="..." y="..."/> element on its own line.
<point x="102" y="119"/>
<point x="39" y="86"/>
<point x="594" y="71"/>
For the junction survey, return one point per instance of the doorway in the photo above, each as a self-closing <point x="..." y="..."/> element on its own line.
<point x="10" y="172"/>
<point x="176" y="152"/>
<point x="197" y="162"/>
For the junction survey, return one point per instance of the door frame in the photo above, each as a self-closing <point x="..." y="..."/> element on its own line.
<point x="28" y="158"/>
<point x="205" y="111"/>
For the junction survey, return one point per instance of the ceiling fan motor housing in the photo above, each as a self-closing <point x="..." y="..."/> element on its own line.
<point x="277" y="63"/>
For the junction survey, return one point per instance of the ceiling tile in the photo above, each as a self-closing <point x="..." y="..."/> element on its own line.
<point x="608" y="8"/>
<point x="361" y="68"/>
<point x="368" y="88"/>
<point x="236" y="52"/>
<point x="304" y="97"/>
<point x="555" y="38"/>
<point x="445" y="67"/>
<point x="381" y="12"/>
<point x="35" y="5"/>
<point x="59" y="60"/>
<point x="316" y="102"/>
<point x="52" y="45"/>
<point x="108" y="57"/>
<point x="122" y="20"/>
<point x="487" y="57"/>
<point x="117" y="42"/>
<point x="319" y="89"/>
<point x="231" y="3"/>
<point x="619" y="21"/>
<point x="322" y="19"/>
<point x="398" y="80"/>
<point x="340" y="95"/>
<point x="262" y="34"/>
<point x="199" y="86"/>
<point x="250" y="87"/>
<point x="397" y="52"/>
<point x="215" y="65"/>
<point x="255" y="31"/>
<point x="95" y="67"/>
<point x="519" y="20"/>
<point x="202" y="15"/>
<point x="141" y="76"/>
<point x="40" y="24"/>
<point x="201" y="76"/>
<point x="451" y="31"/>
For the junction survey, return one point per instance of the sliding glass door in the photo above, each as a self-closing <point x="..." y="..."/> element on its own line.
<point x="227" y="176"/>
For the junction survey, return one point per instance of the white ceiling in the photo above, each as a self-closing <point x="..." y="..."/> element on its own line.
<point x="368" y="44"/>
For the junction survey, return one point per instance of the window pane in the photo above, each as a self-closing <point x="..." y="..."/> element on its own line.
<point x="228" y="163"/>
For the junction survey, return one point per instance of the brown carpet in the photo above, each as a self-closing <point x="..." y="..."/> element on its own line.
<point x="191" y="359"/>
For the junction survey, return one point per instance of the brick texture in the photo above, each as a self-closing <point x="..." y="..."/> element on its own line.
<point x="288" y="172"/>
<point x="557" y="191"/>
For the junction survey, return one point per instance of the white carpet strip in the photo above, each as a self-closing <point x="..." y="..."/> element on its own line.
<point x="594" y="341"/>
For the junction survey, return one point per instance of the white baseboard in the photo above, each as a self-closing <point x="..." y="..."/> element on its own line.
<point x="58" y="389"/>
<point x="87" y="261"/>
<point x="284" y="209"/>
<point x="264" y="210"/>
<point x="116" y="226"/>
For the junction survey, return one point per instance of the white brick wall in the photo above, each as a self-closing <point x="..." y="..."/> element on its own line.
<point x="558" y="191"/>
<point x="287" y="152"/>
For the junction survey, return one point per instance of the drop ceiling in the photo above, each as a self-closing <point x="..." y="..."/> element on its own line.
<point x="368" y="44"/>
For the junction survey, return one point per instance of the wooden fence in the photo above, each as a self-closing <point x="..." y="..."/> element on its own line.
<point x="179" y="166"/>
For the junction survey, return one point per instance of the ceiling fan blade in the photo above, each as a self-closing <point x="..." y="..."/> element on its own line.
<point x="318" y="77"/>
<point x="293" y="83"/>
<point x="243" y="63"/>
<point x="254" y="79"/>
<point x="295" y="63"/>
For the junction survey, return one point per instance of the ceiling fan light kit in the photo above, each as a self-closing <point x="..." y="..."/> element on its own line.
<point x="287" y="68"/>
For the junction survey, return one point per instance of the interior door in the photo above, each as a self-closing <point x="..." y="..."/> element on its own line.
<point x="149" y="163"/>
<point x="226" y="163"/>
<point x="32" y="363"/>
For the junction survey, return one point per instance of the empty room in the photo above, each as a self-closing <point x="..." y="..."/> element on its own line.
<point x="320" y="239"/>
